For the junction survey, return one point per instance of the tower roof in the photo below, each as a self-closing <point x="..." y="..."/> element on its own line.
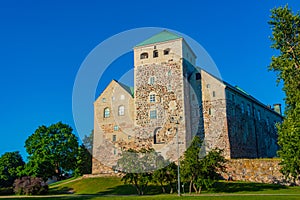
<point x="160" y="37"/>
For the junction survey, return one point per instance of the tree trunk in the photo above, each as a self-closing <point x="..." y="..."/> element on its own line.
<point x="171" y="188"/>
<point x="162" y="187"/>
<point x="195" y="188"/>
<point x="200" y="188"/>
<point x="190" y="188"/>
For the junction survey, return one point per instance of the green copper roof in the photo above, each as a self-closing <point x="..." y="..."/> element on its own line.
<point x="240" y="89"/>
<point x="160" y="37"/>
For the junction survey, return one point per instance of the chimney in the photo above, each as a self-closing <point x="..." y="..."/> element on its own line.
<point x="277" y="108"/>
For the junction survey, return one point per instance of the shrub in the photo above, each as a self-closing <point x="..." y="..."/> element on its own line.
<point x="30" y="186"/>
<point x="6" y="191"/>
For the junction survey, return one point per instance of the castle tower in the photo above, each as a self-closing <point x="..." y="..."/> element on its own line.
<point x="167" y="90"/>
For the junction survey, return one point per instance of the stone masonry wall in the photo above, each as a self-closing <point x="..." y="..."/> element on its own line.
<point x="254" y="170"/>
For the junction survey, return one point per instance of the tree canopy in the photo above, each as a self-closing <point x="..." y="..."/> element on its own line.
<point x="11" y="163"/>
<point x="84" y="158"/>
<point x="201" y="171"/>
<point x="52" y="150"/>
<point x="285" y="27"/>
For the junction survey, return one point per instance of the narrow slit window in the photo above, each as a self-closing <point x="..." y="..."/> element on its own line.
<point x="155" y="54"/>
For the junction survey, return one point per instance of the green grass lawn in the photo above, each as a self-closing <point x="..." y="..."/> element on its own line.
<point x="113" y="188"/>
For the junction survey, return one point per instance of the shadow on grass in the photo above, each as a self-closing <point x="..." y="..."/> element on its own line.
<point x="130" y="190"/>
<point x="231" y="187"/>
<point x="63" y="190"/>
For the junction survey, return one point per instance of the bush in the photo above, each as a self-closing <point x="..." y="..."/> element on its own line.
<point x="30" y="186"/>
<point x="6" y="191"/>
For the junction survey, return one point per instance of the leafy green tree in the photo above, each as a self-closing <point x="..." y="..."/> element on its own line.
<point x="138" y="167"/>
<point x="285" y="27"/>
<point x="210" y="166"/>
<point x="52" y="150"/>
<point x="199" y="172"/>
<point x="84" y="158"/>
<point x="139" y="180"/>
<point x="38" y="168"/>
<point x="166" y="176"/>
<point x="10" y="165"/>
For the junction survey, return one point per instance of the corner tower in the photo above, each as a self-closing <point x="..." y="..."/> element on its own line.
<point x="167" y="93"/>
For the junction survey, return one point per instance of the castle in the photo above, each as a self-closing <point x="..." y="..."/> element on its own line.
<point x="173" y="99"/>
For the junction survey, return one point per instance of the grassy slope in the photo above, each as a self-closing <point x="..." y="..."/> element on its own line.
<point x="101" y="186"/>
<point x="112" y="187"/>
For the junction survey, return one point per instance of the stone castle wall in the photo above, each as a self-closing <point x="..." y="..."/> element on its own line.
<point x="251" y="126"/>
<point x="254" y="170"/>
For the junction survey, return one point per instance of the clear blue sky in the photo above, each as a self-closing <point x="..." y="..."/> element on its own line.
<point x="43" y="43"/>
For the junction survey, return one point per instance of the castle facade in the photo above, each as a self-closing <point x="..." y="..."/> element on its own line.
<point x="173" y="100"/>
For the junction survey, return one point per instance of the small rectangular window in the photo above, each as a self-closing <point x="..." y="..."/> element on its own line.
<point x="214" y="94"/>
<point x="114" y="138"/>
<point x="116" y="128"/>
<point x="242" y="107"/>
<point x="166" y="51"/>
<point x="151" y="80"/>
<point x="152" y="98"/>
<point x="103" y="100"/>
<point x="258" y="115"/>
<point x="153" y="114"/>
<point x="248" y="110"/>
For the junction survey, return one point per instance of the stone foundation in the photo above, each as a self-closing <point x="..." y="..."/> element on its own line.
<point x="254" y="170"/>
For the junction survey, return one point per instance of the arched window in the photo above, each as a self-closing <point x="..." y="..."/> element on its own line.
<point x="166" y="51"/>
<point x="106" y="112"/>
<point x="155" y="54"/>
<point x="144" y="55"/>
<point x="155" y="134"/>
<point x="121" y="110"/>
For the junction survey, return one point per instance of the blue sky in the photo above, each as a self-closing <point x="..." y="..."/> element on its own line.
<point x="43" y="44"/>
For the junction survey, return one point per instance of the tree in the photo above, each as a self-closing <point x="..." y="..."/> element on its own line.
<point x="139" y="167"/>
<point x="199" y="172"/>
<point x="166" y="176"/>
<point x="84" y="158"/>
<point x="10" y="165"/>
<point x="285" y="38"/>
<point x="52" y="150"/>
<point x="38" y="168"/>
